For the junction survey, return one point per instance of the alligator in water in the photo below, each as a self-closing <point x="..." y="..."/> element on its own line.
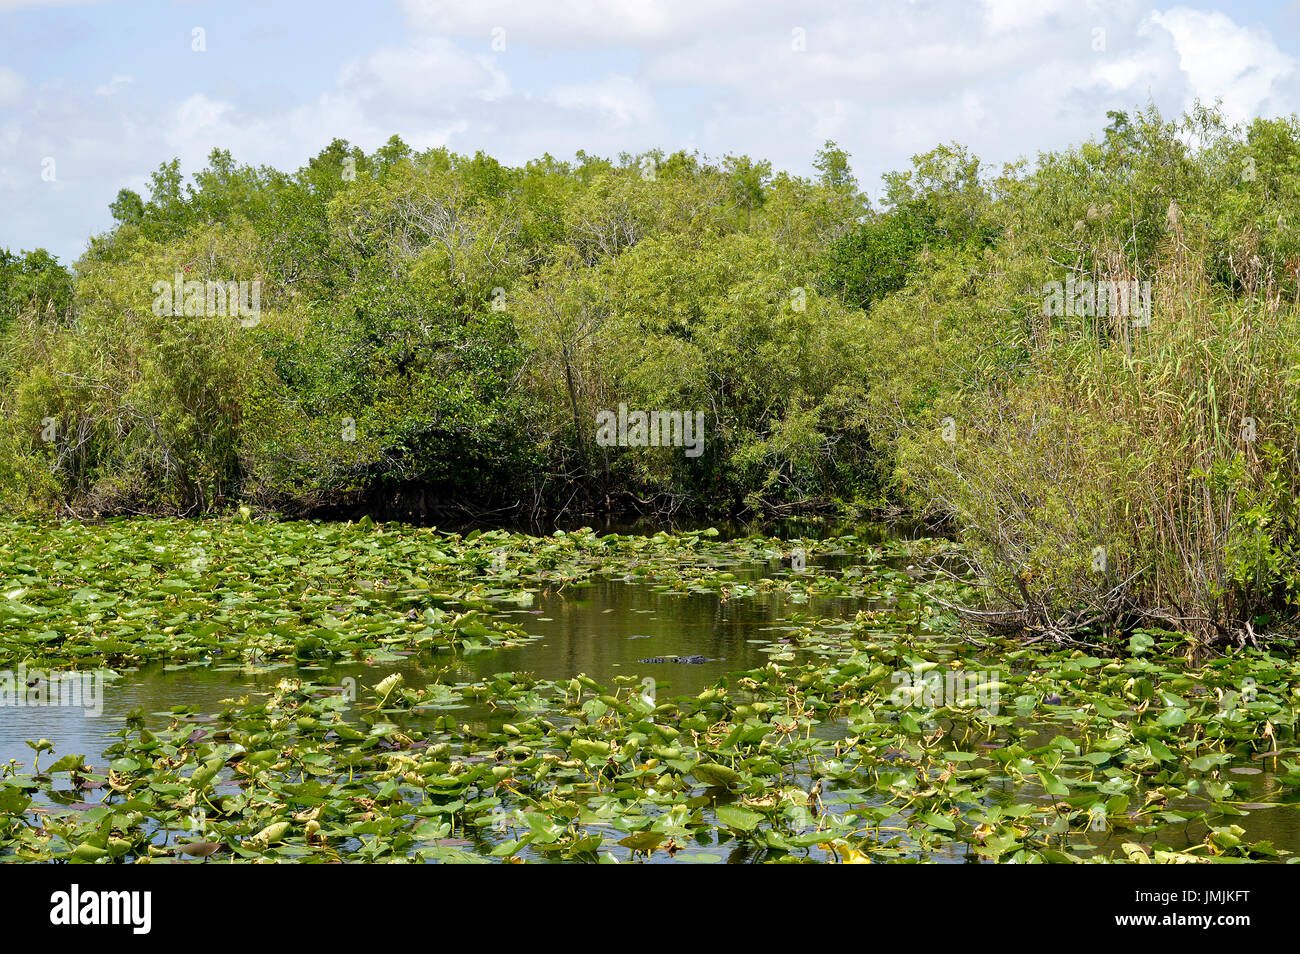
<point x="689" y="660"/>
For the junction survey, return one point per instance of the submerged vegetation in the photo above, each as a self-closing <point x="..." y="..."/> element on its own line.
<point x="882" y="736"/>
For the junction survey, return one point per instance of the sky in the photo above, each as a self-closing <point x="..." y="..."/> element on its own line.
<point x="94" y="96"/>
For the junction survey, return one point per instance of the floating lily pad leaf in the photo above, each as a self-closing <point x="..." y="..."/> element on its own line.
<point x="738" y="818"/>
<point x="643" y="841"/>
<point x="1207" y="763"/>
<point x="715" y="775"/>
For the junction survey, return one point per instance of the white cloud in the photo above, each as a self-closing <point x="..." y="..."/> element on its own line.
<point x="11" y="87"/>
<point x="112" y="86"/>
<point x="1006" y="15"/>
<point x="1005" y="77"/>
<point x="1125" y="73"/>
<point x="1222" y="60"/>
<point x="579" y="23"/>
<point x="198" y="118"/>
<point x="429" y="70"/>
<point x="618" y="98"/>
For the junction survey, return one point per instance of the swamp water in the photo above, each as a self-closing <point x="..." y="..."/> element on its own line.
<point x="601" y="624"/>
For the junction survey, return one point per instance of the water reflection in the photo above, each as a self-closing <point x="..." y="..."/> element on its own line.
<point x="602" y="629"/>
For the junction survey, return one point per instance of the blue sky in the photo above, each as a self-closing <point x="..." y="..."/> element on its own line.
<point x="100" y="93"/>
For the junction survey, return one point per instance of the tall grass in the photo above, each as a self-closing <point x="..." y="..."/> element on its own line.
<point x="1135" y="475"/>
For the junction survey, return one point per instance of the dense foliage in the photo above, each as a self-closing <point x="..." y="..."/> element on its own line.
<point x="439" y="330"/>
<point x="873" y="737"/>
<point x="436" y="329"/>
